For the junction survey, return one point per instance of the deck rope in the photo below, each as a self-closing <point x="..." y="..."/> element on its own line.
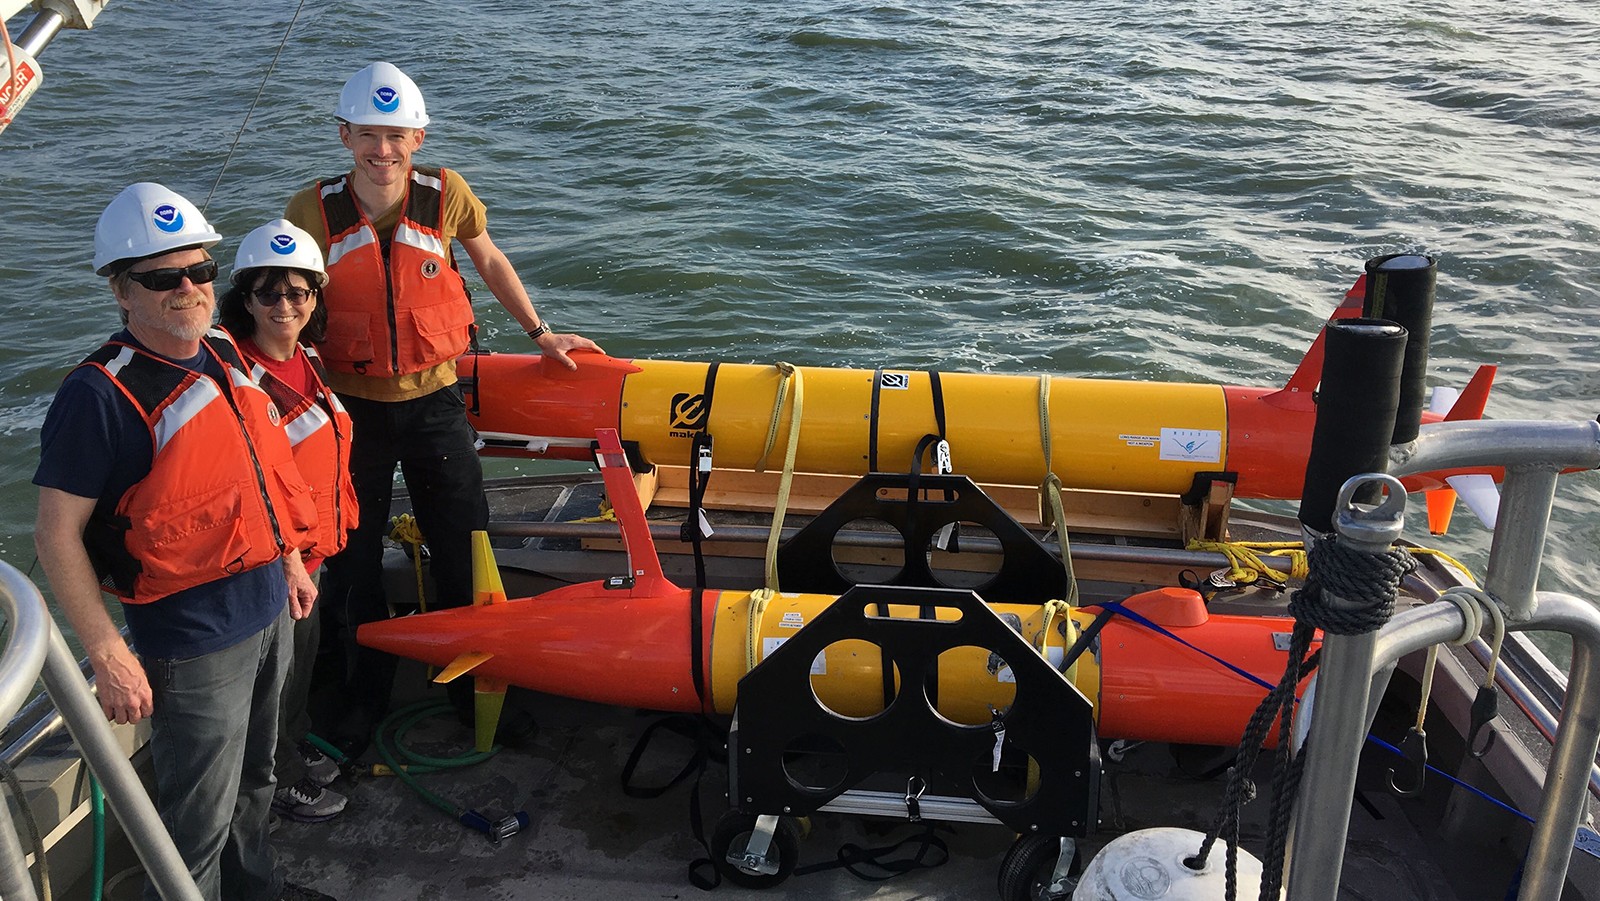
<point x="404" y="529"/>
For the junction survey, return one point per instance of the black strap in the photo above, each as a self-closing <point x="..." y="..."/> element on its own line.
<point x="938" y="400"/>
<point x="872" y="426"/>
<point x="703" y="873"/>
<point x="700" y="445"/>
<point x="1086" y="638"/>
<point x="931" y="851"/>
<point x="687" y="726"/>
<point x="697" y="628"/>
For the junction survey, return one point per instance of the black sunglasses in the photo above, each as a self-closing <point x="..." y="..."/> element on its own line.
<point x="167" y="279"/>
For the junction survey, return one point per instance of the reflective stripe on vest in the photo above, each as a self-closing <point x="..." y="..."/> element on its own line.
<point x="222" y="495"/>
<point x="319" y="432"/>
<point x="398" y="307"/>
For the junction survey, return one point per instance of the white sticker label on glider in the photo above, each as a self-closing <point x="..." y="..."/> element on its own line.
<point x="1191" y="445"/>
<point x="1053" y="654"/>
<point x="792" y="620"/>
<point x="819" y="666"/>
<point x="897" y="381"/>
<point x="1138" y="440"/>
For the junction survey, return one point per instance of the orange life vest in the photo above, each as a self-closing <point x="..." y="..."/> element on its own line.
<point x="319" y="432"/>
<point x="222" y="495"/>
<point x="396" y="304"/>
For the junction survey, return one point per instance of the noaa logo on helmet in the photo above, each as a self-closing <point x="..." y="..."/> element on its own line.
<point x="282" y="245"/>
<point x="385" y="99"/>
<point x="167" y="218"/>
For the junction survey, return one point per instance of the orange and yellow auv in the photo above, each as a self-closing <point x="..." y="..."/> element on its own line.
<point x="1096" y="434"/>
<point x="630" y="642"/>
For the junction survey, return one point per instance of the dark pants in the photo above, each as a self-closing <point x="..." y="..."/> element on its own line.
<point x="430" y="439"/>
<point x="294" y="720"/>
<point x="211" y="742"/>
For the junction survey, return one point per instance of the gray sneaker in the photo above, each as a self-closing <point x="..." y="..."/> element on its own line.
<point x="320" y="768"/>
<point x="307" y="802"/>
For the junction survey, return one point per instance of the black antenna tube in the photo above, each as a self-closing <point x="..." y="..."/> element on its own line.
<point x="1400" y="289"/>
<point x="1355" y="413"/>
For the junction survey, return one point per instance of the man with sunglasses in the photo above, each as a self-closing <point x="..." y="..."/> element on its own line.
<point x="165" y="479"/>
<point x="398" y="316"/>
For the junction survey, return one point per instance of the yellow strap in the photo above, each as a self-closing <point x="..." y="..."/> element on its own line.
<point x="1044" y="420"/>
<point x="403" y="528"/>
<point x="1427" y="685"/>
<point x="759" y="599"/>
<point x="787" y="374"/>
<point x="1050" y="491"/>
<point x="1051" y="610"/>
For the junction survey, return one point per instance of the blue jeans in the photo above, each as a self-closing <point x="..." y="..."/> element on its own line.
<point x="212" y="738"/>
<point x="431" y="440"/>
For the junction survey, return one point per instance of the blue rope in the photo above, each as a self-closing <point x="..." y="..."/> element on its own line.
<point x="1117" y="607"/>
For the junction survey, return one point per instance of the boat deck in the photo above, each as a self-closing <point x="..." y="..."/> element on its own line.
<point x="587" y="838"/>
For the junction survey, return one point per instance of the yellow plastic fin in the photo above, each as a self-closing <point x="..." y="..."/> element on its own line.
<point x="461" y="665"/>
<point x="486" y="585"/>
<point x="489" y="698"/>
<point x="1441" y="507"/>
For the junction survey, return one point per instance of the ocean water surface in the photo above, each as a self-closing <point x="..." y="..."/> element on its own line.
<point x="1149" y="190"/>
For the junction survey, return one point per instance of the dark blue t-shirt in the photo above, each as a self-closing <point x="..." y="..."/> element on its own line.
<point x="95" y="444"/>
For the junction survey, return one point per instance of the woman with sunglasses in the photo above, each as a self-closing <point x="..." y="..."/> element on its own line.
<point x="273" y="305"/>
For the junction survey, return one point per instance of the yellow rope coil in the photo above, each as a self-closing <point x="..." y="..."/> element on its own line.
<point x="607" y="513"/>
<point x="1245" y="563"/>
<point x="404" y="529"/>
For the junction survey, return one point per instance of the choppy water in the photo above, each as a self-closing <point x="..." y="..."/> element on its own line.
<point x="1157" y="190"/>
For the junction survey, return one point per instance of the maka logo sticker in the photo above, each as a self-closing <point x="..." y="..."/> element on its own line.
<point x="167" y="218"/>
<point x="689" y="411"/>
<point x="385" y="99"/>
<point x="282" y="245"/>
<point x="430" y="268"/>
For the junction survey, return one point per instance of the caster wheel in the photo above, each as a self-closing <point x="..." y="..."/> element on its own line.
<point x="1027" y="871"/>
<point x="731" y="839"/>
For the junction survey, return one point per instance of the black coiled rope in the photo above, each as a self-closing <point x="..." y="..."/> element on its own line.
<point x="1368" y="583"/>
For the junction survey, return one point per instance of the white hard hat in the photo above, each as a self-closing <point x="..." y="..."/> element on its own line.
<point x="147" y="220"/>
<point x="279" y="243"/>
<point x="381" y="94"/>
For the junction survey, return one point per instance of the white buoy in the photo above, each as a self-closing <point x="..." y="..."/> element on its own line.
<point x="1149" y="864"/>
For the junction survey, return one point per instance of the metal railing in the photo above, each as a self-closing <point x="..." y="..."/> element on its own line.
<point x="37" y="650"/>
<point x="1533" y="454"/>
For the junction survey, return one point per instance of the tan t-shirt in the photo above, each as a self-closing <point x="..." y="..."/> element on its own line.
<point x="464" y="217"/>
